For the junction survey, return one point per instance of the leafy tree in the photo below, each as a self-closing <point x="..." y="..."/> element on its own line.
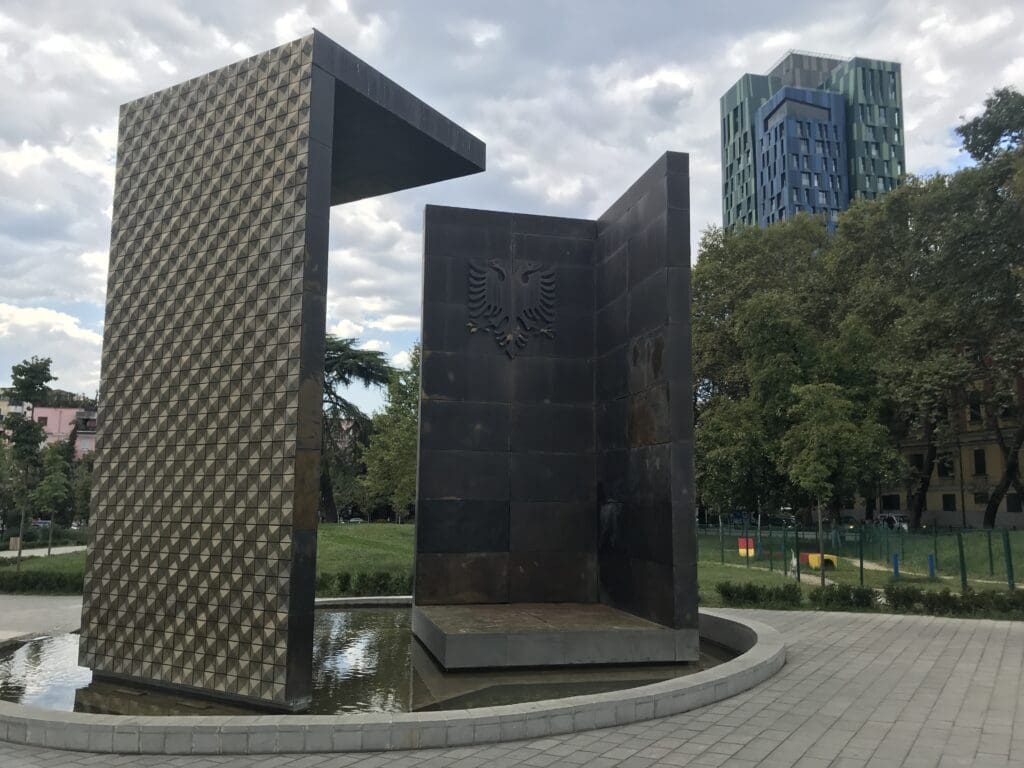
<point x="345" y="426"/>
<point x="831" y="452"/>
<point x="8" y="487"/>
<point x="81" y="486"/>
<point x="30" y="379"/>
<point x="390" y="456"/>
<point x="52" y="495"/>
<point x="999" y="128"/>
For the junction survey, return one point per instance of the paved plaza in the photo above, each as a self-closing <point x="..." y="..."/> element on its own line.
<point x="858" y="690"/>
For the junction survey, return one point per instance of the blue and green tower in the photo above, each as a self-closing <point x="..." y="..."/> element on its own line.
<point x="809" y="136"/>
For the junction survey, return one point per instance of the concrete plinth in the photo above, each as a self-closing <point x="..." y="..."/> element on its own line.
<point x="545" y="635"/>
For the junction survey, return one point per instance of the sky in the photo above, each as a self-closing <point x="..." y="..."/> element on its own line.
<point x="573" y="99"/>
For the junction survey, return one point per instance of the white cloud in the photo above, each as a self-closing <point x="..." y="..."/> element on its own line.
<point x="28" y="331"/>
<point x="97" y="56"/>
<point x="27" y="155"/>
<point x="375" y="345"/>
<point x="346" y="329"/>
<point x="401" y="360"/>
<point x="395" y="323"/>
<point x="478" y="33"/>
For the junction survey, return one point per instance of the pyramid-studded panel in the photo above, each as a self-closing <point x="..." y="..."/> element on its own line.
<point x="210" y="390"/>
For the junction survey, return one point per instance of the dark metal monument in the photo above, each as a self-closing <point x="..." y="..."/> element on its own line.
<point x="200" y="571"/>
<point x="555" y="513"/>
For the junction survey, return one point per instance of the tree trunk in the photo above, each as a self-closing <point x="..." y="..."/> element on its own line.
<point x="1011" y="468"/>
<point x="921" y="494"/>
<point x="327" y="503"/>
<point x="821" y="545"/>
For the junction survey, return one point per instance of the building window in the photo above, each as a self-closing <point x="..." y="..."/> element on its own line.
<point x="819" y="147"/>
<point x="41" y="421"/>
<point x="981" y="498"/>
<point x="822" y="197"/>
<point x="974" y="408"/>
<point x="805" y="179"/>
<point x="891" y="502"/>
<point x="881" y="114"/>
<point x="804" y="146"/>
<point x="979" y="462"/>
<point x="1013" y="505"/>
<point x="944" y="466"/>
<point x="948" y="502"/>
<point x="916" y="461"/>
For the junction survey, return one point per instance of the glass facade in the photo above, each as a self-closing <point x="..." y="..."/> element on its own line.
<point x="810" y="136"/>
<point x="801" y="155"/>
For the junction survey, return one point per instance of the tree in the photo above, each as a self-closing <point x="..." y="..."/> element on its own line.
<point x="30" y="379"/>
<point x="345" y="426"/>
<point x="8" y="487"/>
<point x="81" y="486"/>
<point x="390" y="456"/>
<point x="999" y="128"/>
<point x="24" y="436"/>
<point x="831" y="452"/>
<point x="52" y="495"/>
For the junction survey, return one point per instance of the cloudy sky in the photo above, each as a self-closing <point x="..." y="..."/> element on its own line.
<point x="574" y="100"/>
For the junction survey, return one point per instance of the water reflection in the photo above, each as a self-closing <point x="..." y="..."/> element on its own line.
<point x="364" y="660"/>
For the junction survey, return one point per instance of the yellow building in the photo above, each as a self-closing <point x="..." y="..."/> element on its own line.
<point x="966" y="471"/>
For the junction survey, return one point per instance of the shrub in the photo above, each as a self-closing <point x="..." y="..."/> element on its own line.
<point x="749" y="594"/>
<point x="325" y="583"/>
<point x="343" y="580"/>
<point x="839" y="596"/>
<point x="944" y="603"/>
<point x="903" y="599"/>
<point x="41" y="581"/>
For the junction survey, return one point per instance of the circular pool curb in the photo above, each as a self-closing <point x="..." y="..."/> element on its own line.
<point x="761" y="654"/>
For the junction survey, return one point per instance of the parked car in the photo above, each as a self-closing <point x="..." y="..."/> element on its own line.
<point x="848" y="522"/>
<point x="355" y="520"/>
<point x="893" y="520"/>
<point x="776" y="520"/>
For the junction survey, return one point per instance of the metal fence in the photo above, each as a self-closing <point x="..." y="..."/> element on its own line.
<point x="871" y="554"/>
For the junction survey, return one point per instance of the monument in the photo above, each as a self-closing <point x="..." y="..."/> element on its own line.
<point x="555" y="515"/>
<point x="200" y="570"/>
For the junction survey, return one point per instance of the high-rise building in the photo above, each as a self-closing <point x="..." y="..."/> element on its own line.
<point x="809" y="136"/>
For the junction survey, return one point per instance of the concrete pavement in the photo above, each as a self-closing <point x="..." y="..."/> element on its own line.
<point x="8" y="554"/>
<point x="870" y="690"/>
<point x="31" y="615"/>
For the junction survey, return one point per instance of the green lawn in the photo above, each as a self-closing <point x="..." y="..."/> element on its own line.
<point x="73" y="562"/>
<point x="374" y="547"/>
<point x="364" y="547"/>
<point x="710" y="573"/>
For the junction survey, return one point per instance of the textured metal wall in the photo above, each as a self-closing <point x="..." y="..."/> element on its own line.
<point x="200" y="570"/>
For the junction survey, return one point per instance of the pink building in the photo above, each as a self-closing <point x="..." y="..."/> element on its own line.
<point x="58" y="423"/>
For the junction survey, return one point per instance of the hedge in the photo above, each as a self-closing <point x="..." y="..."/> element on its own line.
<point x="760" y="595"/>
<point x="909" y="599"/>
<point x="840" y="596"/>
<point x="42" y="582"/>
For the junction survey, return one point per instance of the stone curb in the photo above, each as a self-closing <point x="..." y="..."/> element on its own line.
<point x="762" y="654"/>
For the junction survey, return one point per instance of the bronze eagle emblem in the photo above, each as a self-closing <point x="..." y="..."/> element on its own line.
<point x="512" y="302"/>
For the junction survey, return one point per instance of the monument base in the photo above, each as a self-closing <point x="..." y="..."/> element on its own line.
<point x="546" y="635"/>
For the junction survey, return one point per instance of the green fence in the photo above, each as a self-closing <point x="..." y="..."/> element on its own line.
<point x="869" y="554"/>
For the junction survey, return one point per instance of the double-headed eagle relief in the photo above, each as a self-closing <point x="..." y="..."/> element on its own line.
<point x="513" y="304"/>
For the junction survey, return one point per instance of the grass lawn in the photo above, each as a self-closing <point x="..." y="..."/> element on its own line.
<point x="364" y="547"/>
<point x="73" y="562"/>
<point x="350" y="548"/>
<point x="710" y="573"/>
<point x="372" y="547"/>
